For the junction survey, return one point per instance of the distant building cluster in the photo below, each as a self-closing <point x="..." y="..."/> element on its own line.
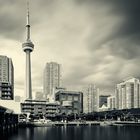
<point x="57" y="100"/>
<point x="127" y="96"/>
<point x="67" y="102"/>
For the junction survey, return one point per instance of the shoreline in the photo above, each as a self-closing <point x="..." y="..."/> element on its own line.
<point x="76" y="123"/>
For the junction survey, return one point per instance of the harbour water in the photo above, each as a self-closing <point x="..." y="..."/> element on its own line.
<point x="75" y="133"/>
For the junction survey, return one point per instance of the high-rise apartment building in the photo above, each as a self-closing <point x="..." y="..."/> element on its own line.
<point x="52" y="78"/>
<point x="90" y="99"/>
<point x="128" y="94"/>
<point x="111" y="102"/>
<point x="6" y="78"/>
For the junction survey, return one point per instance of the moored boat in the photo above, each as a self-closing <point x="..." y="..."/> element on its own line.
<point x="126" y="123"/>
<point x="40" y="123"/>
<point x="106" y="123"/>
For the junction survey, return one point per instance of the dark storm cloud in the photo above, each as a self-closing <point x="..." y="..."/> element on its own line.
<point x="129" y="32"/>
<point x="131" y="12"/>
<point x="125" y="39"/>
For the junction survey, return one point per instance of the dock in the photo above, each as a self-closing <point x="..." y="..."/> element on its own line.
<point x="126" y="123"/>
<point x="77" y="123"/>
<point x="8" y="120"/>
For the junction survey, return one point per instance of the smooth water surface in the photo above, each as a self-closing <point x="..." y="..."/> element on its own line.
<point x="75" y="133"/>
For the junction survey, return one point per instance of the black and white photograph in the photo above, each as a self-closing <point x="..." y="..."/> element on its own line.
<point x="69" y="69"/>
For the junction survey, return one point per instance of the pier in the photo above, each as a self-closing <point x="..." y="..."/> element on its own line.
<point x="8" y="120"/>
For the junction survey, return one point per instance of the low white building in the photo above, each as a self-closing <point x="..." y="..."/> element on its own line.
<point x="103" y="108"/>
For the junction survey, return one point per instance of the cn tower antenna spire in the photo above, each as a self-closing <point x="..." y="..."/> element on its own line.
<point x="28" y="21"/>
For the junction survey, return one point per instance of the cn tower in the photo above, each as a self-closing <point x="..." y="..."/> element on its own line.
<point x="28" y="47"/>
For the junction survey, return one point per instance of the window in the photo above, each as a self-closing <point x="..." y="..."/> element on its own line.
<point x="69" y="98"/>
<point x="76" y="98"/>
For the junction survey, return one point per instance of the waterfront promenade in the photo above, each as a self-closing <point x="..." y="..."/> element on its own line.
<point x="77" y="123"/>
<point x="80" y="123"/>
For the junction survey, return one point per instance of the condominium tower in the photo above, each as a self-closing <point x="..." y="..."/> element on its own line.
<point x="52" y="78"/>
<point x="111" y="103"/>
<point x="6" y="78"/>
<point x="128" y="94"/>
<point x="90" y="99"/>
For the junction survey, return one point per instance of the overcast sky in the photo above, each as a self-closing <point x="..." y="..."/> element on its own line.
<point x="96" y="41"/>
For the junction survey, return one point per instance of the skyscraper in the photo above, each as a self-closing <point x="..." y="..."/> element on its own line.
<point x="111" y="102"/>
<point x="52" y="78"/>
<point x="28" y="47"/>
<point x="6" y="78"/>
<point x="90" y="99"/>
<point x="128" y="94"/>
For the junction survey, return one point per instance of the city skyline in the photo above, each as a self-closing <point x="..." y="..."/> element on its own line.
<point x="104" y="43"/>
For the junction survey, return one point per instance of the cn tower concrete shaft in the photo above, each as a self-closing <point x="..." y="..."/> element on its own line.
<point x="28" y="76"/>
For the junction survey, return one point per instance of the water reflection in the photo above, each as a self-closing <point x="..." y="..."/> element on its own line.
<point x="75" y="133"/>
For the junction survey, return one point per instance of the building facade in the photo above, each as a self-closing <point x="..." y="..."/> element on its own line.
<point x="52" y="78"/>
<point x="128" y="94"/>
<point x="37" y="107"/>
<point x="70" y="101"/>
<point x="111" y="103"/>
<point x="17" y="99"/>
<point x="90" y="99"/>
<point x="6" y="78"/>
